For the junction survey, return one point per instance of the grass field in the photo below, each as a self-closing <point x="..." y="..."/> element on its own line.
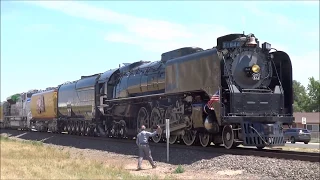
<point x="33" y="160"/>
<point x="300" y="149"/>
<point x="315" y="140"/>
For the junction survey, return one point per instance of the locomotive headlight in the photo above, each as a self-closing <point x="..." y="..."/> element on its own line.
<point x="255" y="68"/>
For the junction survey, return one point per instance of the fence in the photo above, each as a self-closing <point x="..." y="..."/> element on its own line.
<point x="315" y="136"/>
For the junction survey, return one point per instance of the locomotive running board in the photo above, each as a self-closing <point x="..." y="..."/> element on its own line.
<point x="172" y="128"/>
<point x="146" y="96"/>
<point x="138" y="97"/>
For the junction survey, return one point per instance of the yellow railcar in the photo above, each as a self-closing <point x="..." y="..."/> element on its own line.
<point x="44" y="105"/>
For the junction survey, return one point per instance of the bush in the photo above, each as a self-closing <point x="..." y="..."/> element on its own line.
<point x="179" y="169"/>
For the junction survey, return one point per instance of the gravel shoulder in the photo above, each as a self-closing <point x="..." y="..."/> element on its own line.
<point x="197" y="165"/>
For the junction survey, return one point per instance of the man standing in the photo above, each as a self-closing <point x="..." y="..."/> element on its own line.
<point x="143" y="144"/>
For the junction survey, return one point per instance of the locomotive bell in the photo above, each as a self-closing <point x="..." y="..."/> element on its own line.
<point x="252" y="41"/>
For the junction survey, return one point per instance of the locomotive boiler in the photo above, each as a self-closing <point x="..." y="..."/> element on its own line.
<point x="235" y="93"/>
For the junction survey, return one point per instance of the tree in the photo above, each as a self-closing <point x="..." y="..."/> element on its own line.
<point x="313" y="100"/>
<point x="300" y="97"/>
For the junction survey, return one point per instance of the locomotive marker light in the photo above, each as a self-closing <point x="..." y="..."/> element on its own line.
<point x="167" y="136"/>
<point x="266" y="46"/>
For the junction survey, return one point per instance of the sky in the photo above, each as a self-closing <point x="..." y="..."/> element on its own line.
<point x="47" y="43"/>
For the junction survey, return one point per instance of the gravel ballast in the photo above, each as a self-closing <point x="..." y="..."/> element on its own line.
<point x="266" y="168"/>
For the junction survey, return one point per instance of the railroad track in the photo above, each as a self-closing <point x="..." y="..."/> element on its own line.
<point x="269" y="153"/>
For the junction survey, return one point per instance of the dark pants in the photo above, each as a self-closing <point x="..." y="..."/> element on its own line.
<point x="145" y="150"/>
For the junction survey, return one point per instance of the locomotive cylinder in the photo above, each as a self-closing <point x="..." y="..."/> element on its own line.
<point x="211" y="125"/>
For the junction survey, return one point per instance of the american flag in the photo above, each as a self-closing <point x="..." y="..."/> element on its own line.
<point x="214" y="98"/>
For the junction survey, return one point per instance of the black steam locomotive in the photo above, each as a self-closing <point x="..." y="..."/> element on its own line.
<point x="235" y="93"/>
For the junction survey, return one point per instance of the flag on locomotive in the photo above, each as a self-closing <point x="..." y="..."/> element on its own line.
<point x="214" y="98"/>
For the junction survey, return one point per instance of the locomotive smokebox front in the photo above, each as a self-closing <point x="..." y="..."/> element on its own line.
<point x="247" y="65"/>
<point x="250" y="69"/>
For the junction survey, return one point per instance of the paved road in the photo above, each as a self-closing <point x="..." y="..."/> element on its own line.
<point x="302" y="145"/>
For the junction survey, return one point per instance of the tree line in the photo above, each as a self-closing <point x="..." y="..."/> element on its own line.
<point x="306" y="99"/>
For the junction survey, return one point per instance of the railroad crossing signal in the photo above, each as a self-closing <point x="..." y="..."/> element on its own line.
<point x="304" y="120"/>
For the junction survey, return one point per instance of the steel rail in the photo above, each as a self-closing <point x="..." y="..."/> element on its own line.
<point x="244" y="151"/>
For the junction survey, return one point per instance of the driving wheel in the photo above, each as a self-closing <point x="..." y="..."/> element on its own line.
<point x="155" y="120"/>
<point x="143" y="117"/>
<point x="205" y="139"/>
<point x="189" y="137"/>
<point x="173" y="139"/>
<point x="228" y="137"/>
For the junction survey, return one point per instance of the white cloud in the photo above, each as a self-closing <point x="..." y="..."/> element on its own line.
<point x="156" y="29"/>
<point x="151" y="34"/>
<point x="201" y="35"/>
<point x="276" y="19"/>
<point x="161" y="36"/>
<point x="280" y="23"/>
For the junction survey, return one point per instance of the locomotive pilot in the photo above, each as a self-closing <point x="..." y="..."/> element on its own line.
<point x="143" y="144"/>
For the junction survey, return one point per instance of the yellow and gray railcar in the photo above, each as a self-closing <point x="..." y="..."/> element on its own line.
<point x="44" y="111"/>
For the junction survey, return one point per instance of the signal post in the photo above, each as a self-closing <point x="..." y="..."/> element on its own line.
<point x="167" y="136"/>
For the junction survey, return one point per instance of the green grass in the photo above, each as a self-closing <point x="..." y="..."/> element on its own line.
<point x="33" y="160"/>
<point x="179" y="169"/>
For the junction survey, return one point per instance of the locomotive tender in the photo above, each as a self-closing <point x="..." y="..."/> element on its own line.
<point x="235" y="93"/>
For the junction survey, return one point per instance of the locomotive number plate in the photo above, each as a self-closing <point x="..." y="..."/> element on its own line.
<point x="256" y="76"/>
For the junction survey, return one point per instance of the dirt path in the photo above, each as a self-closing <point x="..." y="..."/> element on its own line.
<point x="163" y="170"/>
